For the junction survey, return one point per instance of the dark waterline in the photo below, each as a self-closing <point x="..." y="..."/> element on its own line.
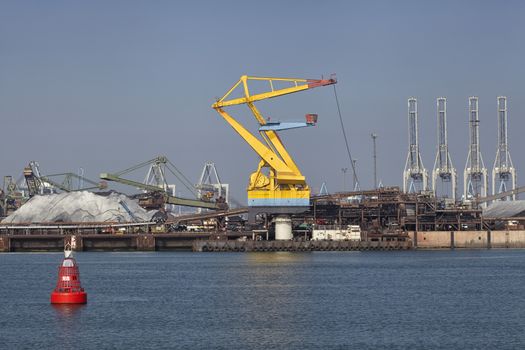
<point x="320" y="300"/>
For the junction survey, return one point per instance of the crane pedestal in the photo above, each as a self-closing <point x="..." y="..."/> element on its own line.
<point x="281" y="216"/>
<point x="272" y="212"/>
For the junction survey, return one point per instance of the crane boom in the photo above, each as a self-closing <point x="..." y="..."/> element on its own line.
<point x="168" y="198"/>
<point x="299" y="85"/>
<point x="67" y="179"/>
<point x="501" y="195"/>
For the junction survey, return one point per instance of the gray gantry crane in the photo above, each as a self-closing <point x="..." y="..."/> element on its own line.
<point x="475" y="178"/>
<point x="443" y="167"/>
<point x="210" y="185"/>
<point x="503" y="172"/>
<point x="415" y="176"/>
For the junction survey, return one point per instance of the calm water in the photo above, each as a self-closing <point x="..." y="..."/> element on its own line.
<point x="321" y="300"/>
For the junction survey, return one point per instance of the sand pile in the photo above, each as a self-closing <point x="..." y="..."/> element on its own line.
<point x="82" y="206"/>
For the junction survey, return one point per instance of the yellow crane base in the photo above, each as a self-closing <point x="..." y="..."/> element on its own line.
<point x="283" y="198"/>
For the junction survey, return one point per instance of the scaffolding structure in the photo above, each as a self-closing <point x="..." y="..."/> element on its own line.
<point x="415" y="176"/>
<point x="443" y="167"/>
<point x="503" y="172"/>
<point x="389" y="210"/>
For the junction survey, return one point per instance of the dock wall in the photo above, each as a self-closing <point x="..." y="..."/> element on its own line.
<point x="194" y="241"/>
<point x="296" y="246"/>
<point x="468" y="239"/>
<point x="99" y="242"/>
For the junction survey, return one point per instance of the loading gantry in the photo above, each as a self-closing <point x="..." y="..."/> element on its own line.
<point x="277" y="186"/>
<point x="475" y="177"/>
<point x="157" y="191"/>
<point x="503" y="172"/>
<point x="415" y="173"/>
<point x="443" y="167"/>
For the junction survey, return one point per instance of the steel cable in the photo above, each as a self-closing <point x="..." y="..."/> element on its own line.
<point x="346" y="140"/>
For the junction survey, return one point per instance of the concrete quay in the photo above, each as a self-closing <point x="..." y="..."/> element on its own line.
<point x="468" y="239"/>
<point x="296" y="246"/>
<point x="206" y="241"/>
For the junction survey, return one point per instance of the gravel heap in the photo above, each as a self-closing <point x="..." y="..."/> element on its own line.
<point x="82" y="206"/>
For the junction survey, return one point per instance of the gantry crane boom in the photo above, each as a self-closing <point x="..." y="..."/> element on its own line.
<point x="168" y="198"/>
<point x="500" y="195"/>
<point x="299" y="85"/>
<point x="284" y="185"/>
<point x="36" y="181"/>
<point x="65" y="185"/>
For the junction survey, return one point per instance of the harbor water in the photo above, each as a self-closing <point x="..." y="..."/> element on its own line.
<point x="318" y="300"/>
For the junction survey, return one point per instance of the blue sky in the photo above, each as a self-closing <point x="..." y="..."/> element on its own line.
<point x="107" y="84"/>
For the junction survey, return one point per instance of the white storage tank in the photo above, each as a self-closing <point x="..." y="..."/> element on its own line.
<point x="283" y="228"/>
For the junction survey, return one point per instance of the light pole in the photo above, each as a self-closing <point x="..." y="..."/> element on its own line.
<point x="374" y="137"/>
<point x="354" y="176"/>
<point x="344" y="170"/>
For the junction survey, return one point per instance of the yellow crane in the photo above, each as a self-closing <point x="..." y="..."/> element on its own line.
<point x="277" y="183"/>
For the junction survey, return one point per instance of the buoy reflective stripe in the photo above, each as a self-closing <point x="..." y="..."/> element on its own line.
<point x="68" y="289"/>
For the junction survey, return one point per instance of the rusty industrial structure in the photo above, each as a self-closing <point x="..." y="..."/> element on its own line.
<point x="389" y="209"/>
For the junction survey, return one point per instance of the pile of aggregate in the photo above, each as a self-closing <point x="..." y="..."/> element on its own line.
<point x="82" y="206"/>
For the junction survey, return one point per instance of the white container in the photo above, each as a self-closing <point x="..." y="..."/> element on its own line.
<point x="331" y="233"/>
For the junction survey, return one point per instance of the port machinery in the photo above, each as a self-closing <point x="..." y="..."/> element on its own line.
<point x="475" y="176"/>
<point x="157" y="191"/>
<point x="415" y="176"/>
<point x="277" y="188"/>
<point x="503" y="171"/>
<point x="443" y="167"/>
<point x="40" y="184"/>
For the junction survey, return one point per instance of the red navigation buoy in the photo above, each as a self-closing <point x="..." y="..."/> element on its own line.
<point x="68" y="289"/>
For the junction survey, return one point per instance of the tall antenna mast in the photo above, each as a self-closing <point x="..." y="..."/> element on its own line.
<point x="415" y="176"/>
<point x="475" y="178"/>
<point x="503" y="172"/>
<point x="443" y="167"/>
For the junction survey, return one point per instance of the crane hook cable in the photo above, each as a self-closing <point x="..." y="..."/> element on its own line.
<point x="346" y="140"/>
